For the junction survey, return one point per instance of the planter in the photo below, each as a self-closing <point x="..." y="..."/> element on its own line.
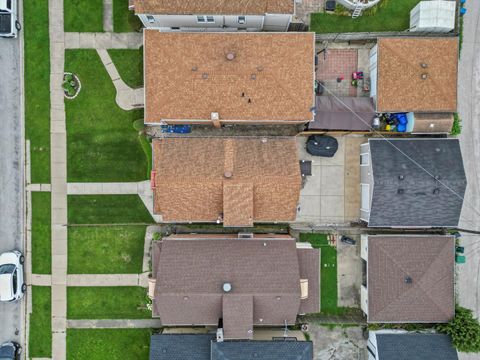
<point x="71" y="85"/>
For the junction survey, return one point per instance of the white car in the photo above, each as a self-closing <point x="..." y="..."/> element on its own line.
<point x="12" y="286"/>
<point x="9" y="25"/>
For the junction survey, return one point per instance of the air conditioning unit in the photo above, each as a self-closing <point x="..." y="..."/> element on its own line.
<point x="245" y="235"/>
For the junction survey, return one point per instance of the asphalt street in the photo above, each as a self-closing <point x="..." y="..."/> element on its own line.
<point x="11" y="174"/>
<point x="468" y="281"/>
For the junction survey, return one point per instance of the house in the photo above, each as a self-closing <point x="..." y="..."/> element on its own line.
<point x="234" y="282"/>
<point x="414" y="74"/>
<point x="408" y="278"/>
<point x="229" y="78"/>
<point x="411" y="183"/>
<point x="402" y="345"/>
<point x="205" y="347"/>
<point x="215" y="15"/>
<point x="234" y="181"/>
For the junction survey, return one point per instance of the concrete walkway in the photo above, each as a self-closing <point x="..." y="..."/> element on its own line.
<point x="108" y="280"/>
<point x="102" y="188"/>
<point x="106" y="40"/>
<point x="107" y="15"/>
<point x="114" y="324"/>
<point x="58" y="153"/>
<point x="127" y="98"/>
<point x="39" y="187"/>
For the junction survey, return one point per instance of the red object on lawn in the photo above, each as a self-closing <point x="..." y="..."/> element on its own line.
<point x="152" y="179"/>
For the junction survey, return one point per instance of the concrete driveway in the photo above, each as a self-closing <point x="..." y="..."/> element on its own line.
<point x="11" y="175"/>
<point x="468" y="281"/>
<point x="332" y="194"/>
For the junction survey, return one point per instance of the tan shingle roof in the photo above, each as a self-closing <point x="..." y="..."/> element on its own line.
<point x="188" y="77"/>
<point x="400" y="86"/>
<point x="214" y="7"/>
<point x="428" y="261"/>
<point x="191" y="184"/>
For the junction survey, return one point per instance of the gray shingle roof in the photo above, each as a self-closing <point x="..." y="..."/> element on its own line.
<point x="264" y="350"/>
<point x="415" y="347"/>
<point x="418" y="204"/>
<point x="181" y="347"/>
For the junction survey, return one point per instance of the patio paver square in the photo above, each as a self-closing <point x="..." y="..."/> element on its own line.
<point x="332" y="180"/>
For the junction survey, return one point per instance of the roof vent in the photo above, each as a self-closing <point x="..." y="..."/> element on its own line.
<point x="244" y="235"/>
<point x="204" y="76"/>
<point x="230" y="56"/>
<point x="259" y="68"/>
<point x="400" y="191"/>
<point x="253" y="76"/>
<point x="408" y="280"/>
<point x="194" y="68"/>
<point x="424" y="76"/>
<point x="437" y="177"/>
<point x="424" y="65"/>
<point x="401" y="177"/>
<point x="436" y="191"/>
<point x="227" y="287"/>
<point x="228" y="174"/>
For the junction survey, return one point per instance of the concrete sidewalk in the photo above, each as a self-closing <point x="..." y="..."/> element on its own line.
<point x="106" y="40"/>
<point x="126" y="98"/>
<point x="115" y="324"/>
<point x="108" y="280"/>
<point x="102" y="188"/>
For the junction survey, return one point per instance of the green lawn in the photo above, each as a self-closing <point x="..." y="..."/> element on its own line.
<point x="124" y="20"/>
<point x="105" y="249"/>
<point x="37" y="87"/>
<point x="125" y="302"/>
<point x="41" y="233"/>
<point x="40" y="336"/>
<point x="129" y="63"/>
<point x="83" y="15"/>
<point x="328" y="273"/>
<point x="107" y="209"/>
<point x="111" y="344"/>
<point x="102" y="145"/>
<point x="394" y="15"/>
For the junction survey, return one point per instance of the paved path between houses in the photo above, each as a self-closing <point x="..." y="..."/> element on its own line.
<point x="114" y="324"/>
<point x="126" y="98"/>
<point x="108" y="280"/>
<point x="107" y="15"/>
<point x="105" y="40"/>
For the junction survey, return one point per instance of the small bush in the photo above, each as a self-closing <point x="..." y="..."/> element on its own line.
<point x="156" y="236"/>
<point x="138" y="125"/>
<point x="457" y="125"/>
<point x="341" y="10"/>
<point x="464" y="330"/>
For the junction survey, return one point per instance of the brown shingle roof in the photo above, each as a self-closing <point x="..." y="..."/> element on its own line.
<point x="238" y="316"/>
<point x="214" y="7"/>
<point x="400" y="86"/>
<point x="188" y="77"/>
<point x="433" y="122"/>
<point x="428" y="261"/>
<point x="191" y="184"/>
<point x="310" y="269"/>
<point x="191" y="273"/>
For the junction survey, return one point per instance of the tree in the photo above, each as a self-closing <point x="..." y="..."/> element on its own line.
<point x="464" y="330"/>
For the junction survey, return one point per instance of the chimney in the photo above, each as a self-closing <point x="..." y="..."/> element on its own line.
<point x="215" y="117"/>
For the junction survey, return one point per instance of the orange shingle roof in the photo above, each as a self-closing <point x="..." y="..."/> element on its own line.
<point x="400" y="86"/>
<point x="269" y="78"/>
<point x="214" y="7"/>
<point x="242" y="179"/>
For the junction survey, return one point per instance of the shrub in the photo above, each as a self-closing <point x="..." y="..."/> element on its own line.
<point x="341" y="10"/>
<point x="156" y="236"/>
<point x="464" y="330"/>
<point x="138" y="125"/>
<point x="457" y="125"/>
